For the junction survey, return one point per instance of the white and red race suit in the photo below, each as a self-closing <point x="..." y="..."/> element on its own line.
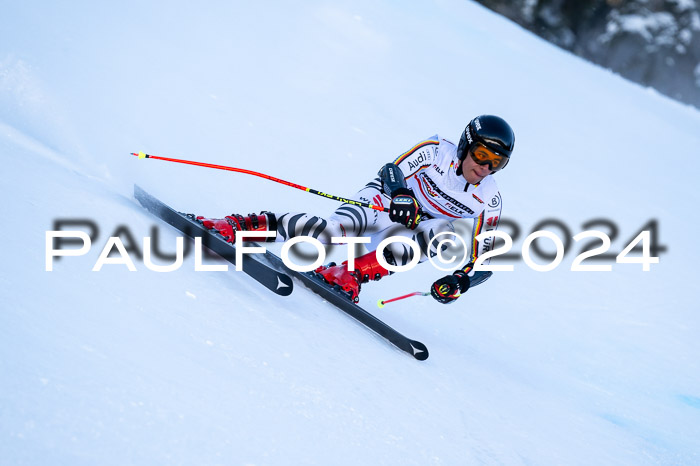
<point x="431" y="170"/>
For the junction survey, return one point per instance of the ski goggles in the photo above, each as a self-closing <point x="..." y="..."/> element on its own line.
<point x="482" y="155"/>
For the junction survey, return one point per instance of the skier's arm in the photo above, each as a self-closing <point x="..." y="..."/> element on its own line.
<point x="449" y="288"/>
<point x="418" y="157"/>
<point x="392" y="179"/>
<point x="404" y="208"/>
<point x="482" y="224"/>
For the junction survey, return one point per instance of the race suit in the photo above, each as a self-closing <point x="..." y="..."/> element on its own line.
<point x="431" y="172"/>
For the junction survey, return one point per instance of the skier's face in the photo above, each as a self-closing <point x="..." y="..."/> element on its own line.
<point x="473" y="172"/>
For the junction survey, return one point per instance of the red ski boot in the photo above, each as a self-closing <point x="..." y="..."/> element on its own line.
<point x="366" y="268"/>
<point x="229" y="225"/>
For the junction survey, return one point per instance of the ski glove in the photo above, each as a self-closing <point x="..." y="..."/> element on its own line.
<point x="404" y="208"/>
<point x="447" y="289"/>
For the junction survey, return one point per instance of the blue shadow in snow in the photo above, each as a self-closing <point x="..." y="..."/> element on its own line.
<point x="692" y="401"/>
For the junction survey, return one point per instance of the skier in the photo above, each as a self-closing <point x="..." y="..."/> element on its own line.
<point x="426" y="188"/>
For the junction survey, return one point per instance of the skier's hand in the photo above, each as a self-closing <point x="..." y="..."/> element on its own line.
<point x="404" y="208"/>
<point x="447" y="289"/>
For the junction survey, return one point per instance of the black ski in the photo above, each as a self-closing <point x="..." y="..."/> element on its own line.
<point x="316" y="284"/>
<point x="478" y="278"/>
<point x="270" y="278"/>
<point x="281" y="283"/>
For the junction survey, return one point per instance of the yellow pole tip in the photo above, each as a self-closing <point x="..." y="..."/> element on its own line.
<point x="380" y="304"/>
<point x="142" y="155"/>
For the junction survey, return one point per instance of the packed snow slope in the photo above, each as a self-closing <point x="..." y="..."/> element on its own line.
<point x="120" y="367"/>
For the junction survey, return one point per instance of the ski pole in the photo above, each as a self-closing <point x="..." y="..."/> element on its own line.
<point x="382" y="302"/>
<point x="142" y="155"/>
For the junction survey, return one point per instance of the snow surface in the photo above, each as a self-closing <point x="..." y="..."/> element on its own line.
<point x="119" y="367"/>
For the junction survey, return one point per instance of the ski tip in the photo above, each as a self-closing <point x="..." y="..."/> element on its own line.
<point x="419" y="350"/>
<point x="380" y="304"/>
<point x="285" y="285"/>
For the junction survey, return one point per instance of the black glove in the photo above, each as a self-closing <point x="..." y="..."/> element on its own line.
<point x="404" y="208"/>
<point x="447" y="289"/>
